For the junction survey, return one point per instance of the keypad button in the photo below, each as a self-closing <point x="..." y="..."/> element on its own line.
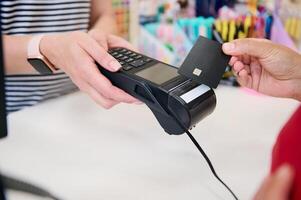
<point x="128" y="53"/>
<point x="117" y="49"/>
<point x="118" y="56"/>
<point x="147" y="59"/>
<point x="124" y="58"/>
<point x="129" y="60"/>
<point x="126" y="67"/>
<point x="137" y="63"/>
<point x="138" y="57"/>
<point x="114" y="53"/>
<point x="133" y="54"/>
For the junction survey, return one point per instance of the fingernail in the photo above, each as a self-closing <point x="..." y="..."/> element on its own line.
<point x="115" y="65"/>
<point x="228" y="46"/>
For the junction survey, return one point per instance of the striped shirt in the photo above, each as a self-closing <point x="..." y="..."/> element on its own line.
<point x="21" y="17"/>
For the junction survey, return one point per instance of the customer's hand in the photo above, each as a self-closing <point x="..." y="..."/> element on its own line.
<point x="266" y="67"/>
<point x="277" y="186"/>
<point x="76" y="53"/>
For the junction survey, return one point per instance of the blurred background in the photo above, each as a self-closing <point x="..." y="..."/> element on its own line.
<point x="78" y="150"/>
<point x="167" y="29"/>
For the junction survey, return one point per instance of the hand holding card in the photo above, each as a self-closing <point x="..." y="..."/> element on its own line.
<point x="205" y="63"/>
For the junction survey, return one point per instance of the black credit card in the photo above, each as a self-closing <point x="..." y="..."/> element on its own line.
<point x="205" y="63"/>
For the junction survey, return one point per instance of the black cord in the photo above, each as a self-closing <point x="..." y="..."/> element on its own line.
<point x="18" y="185"/>
<point x="204" y="155"/>
<point x="210" y="163"/>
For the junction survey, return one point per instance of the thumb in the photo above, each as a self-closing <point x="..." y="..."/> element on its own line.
<point x="250" y="46"/>
<point x="282" y="183"/>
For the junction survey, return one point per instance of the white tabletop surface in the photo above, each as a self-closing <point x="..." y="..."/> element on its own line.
<point x="81" y="151"/>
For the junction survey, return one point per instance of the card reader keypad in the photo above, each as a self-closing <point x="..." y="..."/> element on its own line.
<point x="129" y="59"/>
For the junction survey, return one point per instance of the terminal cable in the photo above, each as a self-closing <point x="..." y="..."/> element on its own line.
<point x="22" y="186"/>
<point x="198" y="146"/>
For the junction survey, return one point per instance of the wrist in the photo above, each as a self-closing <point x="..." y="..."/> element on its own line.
<point x="48" y="49"/>
<point x="36" y="58"/>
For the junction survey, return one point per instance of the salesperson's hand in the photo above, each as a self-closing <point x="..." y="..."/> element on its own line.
<point x="277" y="186"/>
<point x="266" y="67"/>
<point x="76" y="53"/>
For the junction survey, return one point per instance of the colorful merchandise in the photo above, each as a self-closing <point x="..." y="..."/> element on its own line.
<point x="151" y="46"/>
<point x="173" y="38"/>
<point x="122" y="14"/>
<point x="194" y="27"/>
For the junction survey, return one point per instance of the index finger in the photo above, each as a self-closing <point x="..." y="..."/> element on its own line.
<point x="105" y="87"/>
<point x="114" y="41"/>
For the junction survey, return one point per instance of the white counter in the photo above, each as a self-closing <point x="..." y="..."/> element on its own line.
<point x="81" y="151"/>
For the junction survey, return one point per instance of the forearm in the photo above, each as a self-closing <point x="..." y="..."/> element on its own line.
<point x="15" y="55"/>
<point x="103" y="17"/>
